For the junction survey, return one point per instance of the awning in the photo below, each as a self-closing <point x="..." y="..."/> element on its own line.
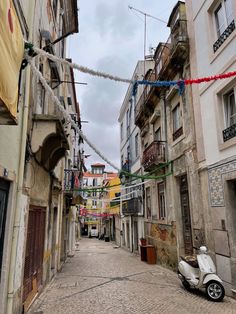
<point x="11" y="56"/>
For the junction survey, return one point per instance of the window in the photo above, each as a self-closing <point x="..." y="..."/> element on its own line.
<point x="121" y="131"/>
<point x="230" y="108"/>
<point x="157" y="135"/>
<point x="230" y="115"/>
<point x="161" y="200"/>
<point x="148" y="202"/>
<point x="94" y="182"/>
<point x="224" y="22"/>
<point x="94" y="203"/>
<point x="128" y="154"/>
<point x="176" y="118"/>
<point x="177" y="122"/>
<point x="223" y="16"/>
<point x="41" y="98"/>
<point x="136" y="146"/>
<point x="127" y="122"/>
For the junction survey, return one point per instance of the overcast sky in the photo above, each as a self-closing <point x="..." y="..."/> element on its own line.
<point x="110" y="39"/>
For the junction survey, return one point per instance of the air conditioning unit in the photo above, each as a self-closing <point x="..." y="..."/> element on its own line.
<point x="156" y="114"/>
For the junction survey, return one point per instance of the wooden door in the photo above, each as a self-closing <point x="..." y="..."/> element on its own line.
<point x="34" y="252"/>
<point x="186" y="218"/>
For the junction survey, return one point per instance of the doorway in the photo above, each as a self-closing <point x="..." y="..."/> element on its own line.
<point x="135" y="236"/>
<point x="33" y="270"/>
<point x="54" y="238"/>
<point x="186" y="219"/>
<point x="127" y="235"/>
<point x="4" y="191"/>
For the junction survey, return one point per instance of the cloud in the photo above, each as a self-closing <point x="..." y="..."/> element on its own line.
<point x="111" y="40"/>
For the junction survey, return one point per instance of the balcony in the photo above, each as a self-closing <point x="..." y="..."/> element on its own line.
<point x="153" y="155"/>
<point x="131" y="206"/>
<point x="179" y="47"/>
<point x="179" y="44"/>
<point x="72" y="182"/>
<point x="229" y="133"/>
<point x="224" y="36"/>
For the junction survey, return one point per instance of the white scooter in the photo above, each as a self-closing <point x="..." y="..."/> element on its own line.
<point x="200" y="273"/>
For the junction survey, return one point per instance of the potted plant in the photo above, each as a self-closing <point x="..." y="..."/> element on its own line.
<point x="143" y="241"/>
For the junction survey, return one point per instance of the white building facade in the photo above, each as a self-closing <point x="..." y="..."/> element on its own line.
<point x="132" y="223"/>
<point x="213" y="41"/>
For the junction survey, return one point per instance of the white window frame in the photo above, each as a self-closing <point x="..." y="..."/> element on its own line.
<point x="227" y="17"/>
<point x="228" y="115"/>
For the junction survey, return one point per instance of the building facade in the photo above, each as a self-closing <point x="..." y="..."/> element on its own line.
<point x="39" y="217"/>
<point x="212" y="32"/>
<point x="96" y="201"/>
<point x="132" y="208"/>
<point x="173" y="210"/>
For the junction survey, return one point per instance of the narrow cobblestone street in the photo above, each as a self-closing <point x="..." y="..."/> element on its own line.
<point x="103" y="279"/>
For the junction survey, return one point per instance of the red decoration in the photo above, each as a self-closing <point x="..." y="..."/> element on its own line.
<point x="210" y="78"/>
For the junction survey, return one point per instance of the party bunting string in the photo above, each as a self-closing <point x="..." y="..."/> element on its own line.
<point x="180" y="84"/>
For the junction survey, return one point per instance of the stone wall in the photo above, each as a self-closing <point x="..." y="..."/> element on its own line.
<point x="163" y="237"/>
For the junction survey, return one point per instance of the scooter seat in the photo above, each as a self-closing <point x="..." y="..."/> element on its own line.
<point x="191" y="260"/>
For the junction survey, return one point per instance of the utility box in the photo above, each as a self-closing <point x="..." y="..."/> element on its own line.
<point x="148" y="254"/>
<point x="151" y="254"/>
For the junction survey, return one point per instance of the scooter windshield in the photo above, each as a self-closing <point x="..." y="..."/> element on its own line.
<point x="205" y="263"/>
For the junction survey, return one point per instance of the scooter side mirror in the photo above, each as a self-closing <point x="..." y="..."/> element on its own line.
<point x="203" y="249"/>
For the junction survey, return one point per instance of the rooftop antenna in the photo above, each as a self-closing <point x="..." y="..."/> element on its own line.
<point x="145" y="30"/>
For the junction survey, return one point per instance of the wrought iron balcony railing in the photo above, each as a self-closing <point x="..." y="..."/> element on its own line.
<point x="229" y="133"/>
<point x="71" y="180"/>
<point x="153" y="155"/>
<point x="132" y="206"/>
<point x="224" y="36"/>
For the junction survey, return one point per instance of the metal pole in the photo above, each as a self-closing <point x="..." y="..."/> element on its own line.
<point x="144" y="44"/>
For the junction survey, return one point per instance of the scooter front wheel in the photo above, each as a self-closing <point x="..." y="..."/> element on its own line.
<point x="215" y="291"/>
<point x="186" y="285"/>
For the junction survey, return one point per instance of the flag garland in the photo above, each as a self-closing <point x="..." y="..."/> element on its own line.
<point x="180" y="84"/>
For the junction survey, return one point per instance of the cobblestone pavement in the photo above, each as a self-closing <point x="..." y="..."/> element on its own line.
<point x="103" y="279"/>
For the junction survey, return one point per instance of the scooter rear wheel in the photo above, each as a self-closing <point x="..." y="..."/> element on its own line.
<point x="215" y="291"/>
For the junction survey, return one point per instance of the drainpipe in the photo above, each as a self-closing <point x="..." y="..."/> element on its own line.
<point x="21" y="167"/>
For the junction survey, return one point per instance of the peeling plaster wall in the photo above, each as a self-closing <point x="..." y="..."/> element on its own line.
<point x="163" y="237"/>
